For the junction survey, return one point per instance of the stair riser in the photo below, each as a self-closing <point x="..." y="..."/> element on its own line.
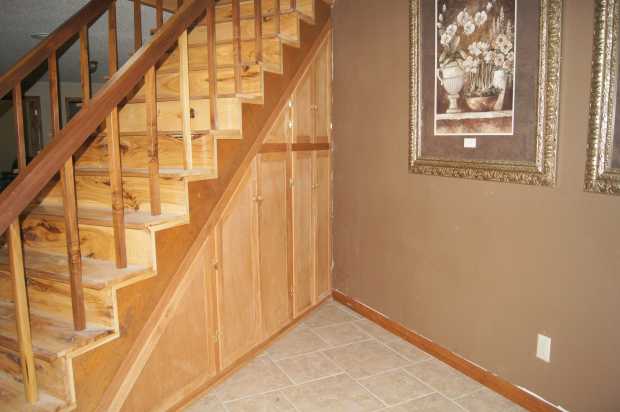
<point x="133" y="116"/>
<point x="134" y="152"/>
<point x="168" y="83"/>
<point x="52" y="377"/>
<point x="96" y="242"/>
<point x="289" y="29"/>
<point x="94" y="192"/>
<point x="53" y="299"/>
<point x="224" y="11"/>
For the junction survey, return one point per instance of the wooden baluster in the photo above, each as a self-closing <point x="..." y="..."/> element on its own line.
<point x="137" y="24"/>
<point x="16" y="266"/>
<point x="212" y="65"/>
<point x="258" y="30"/>
<point x="236" y="16"/>
<point x="293" y="5"/>
<point x="84" y="66"/>
<point x="72" y="234"/>
<point x="150" y="90"/>
<point x="159" y="13"/>
<point x="276" y="16"/>
<point x="185" y="100"/>
<point x="114" y="152"/>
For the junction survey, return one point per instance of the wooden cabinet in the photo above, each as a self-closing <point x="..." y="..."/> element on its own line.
<point x="238" y="284"/>
<point x="273" y="241"/>
<point x="322" y="217"/>
<point x="303" y="231"/>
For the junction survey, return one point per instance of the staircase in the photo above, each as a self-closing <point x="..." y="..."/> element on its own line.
<point x="138" y="157"/>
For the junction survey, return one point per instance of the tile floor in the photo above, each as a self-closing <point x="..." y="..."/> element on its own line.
<point x="337" y="361"/>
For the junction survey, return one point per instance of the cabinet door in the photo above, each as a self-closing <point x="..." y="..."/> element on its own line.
<point x="273" y="241"/>
<point x="303" y="113"/>
<point x="237" y="274"/>
<point x="322" y="84"/>
<point x="303" y="232"/>
<point x="322" y="205"/>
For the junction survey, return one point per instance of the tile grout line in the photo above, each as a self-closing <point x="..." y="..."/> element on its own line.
<point x="436" y="391"/>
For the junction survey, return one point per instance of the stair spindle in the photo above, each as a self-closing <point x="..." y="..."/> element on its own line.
<point x="159" y="13"/>
<point x="16" y="265"/>
<point x="72" y="234"/>
<point x="212" y="65"/>
<point x="185" y="100"/>
<point x="258" y="30"/>
<point x="150" y="89"/>
<point x="236" y="17"/>
<point x="137" y="24"/>
<point x="276" y="16"/>
<point x="293" y="5"/>
<point x="114" y="151"/>
<point x="84" y="65"/>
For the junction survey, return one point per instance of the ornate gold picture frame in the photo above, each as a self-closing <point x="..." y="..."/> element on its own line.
<point x="603" y="152"/>
<point x="525" y="154"/>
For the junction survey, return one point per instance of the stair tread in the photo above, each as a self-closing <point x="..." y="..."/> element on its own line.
<point x="100" y="217"/>
<point x="143" y="172"/>
<point x="12" y="397"/>
<point x="97" y="274"/>
<point x="50" y="338"/>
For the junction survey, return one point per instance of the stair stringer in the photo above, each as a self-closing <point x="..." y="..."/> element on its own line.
<point x="137" y="303"/>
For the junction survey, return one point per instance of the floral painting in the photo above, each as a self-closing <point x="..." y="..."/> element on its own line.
<point x="475" y="58"/>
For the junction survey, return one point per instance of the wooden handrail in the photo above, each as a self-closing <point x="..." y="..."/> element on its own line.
<point x="27" y="185"/>
<point x="37" y="56"/>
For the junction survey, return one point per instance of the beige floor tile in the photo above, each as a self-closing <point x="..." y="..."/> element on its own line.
<point x="335" y="394"/>
<point x="270" y="402"/>
<point x="375" y="330"/>
<point x="408" y="350"/>
<point x="308" y="367"/>
<point x="297" y="342"/>
<point x="259" y="376"/>
<point x="486" y="400"/>
<point x="341" y="334"/>
<point x="365" y="358"/>
<point x="443" y="378"/>
<point x="431" y="403"/>
<point x="395" y="387"/>
<point x="209" y="403"/>
<point x="347" y="310"/>
<point x="327" y="315"/>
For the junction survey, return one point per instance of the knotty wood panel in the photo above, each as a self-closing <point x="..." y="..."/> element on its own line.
<point x="238" y="288"/>
<point x="322" y="209"/>
<point x="303" y="113"/>
<point x="322" y="73"/>
<point x="182" y="353"/>
<point x="273" y="241"/>
<point x="303" y="237"/>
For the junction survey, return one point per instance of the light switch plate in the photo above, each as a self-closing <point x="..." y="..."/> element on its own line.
<point x="543" y="348"/>
<point x="469" y="143"/>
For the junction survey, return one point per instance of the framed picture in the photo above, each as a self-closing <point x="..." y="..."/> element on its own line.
<point x="484" y="89"/>
<point x="603" y="153"/>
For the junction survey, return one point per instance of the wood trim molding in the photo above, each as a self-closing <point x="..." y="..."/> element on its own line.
<point x="295" y="147"/>
<point x="485" y="377"/>
<point x="141" y="349"/>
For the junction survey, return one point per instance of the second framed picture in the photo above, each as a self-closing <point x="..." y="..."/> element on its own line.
<point x="484" y="89"/>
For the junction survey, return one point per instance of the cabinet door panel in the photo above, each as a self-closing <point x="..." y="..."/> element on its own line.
<point x="238" y="281"/>
<point x="322" y="69"/>
<point x="274" y="282"/>
<point x="322" y="219"/>
<point x="303" y="233"/>
<point x="304" y="115"/>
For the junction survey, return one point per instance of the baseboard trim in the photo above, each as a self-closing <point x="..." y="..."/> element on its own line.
<point x="486" y="378"/>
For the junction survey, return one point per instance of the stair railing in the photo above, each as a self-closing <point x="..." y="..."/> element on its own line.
<point x="57" y="156"/>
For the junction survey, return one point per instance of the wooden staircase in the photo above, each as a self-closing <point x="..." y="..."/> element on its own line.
<point x="125" y="195"/>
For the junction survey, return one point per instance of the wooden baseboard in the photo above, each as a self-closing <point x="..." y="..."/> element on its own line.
<point x="202" y="389"/>
<point x="486" y="378"/>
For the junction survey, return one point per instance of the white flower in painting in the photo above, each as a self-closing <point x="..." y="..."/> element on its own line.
<point x="444" y="8"/>
<point x="489" y="56"/>
<point x="439" y="25"/>
<point x="469" y="28"/>
<point x="480" y="18"/>
<point x="483" y="46"/>
<point x="499" y="60"/>
<point x="470" y="65"/>
<point x="507" y="65"/>
<point x="446" y="38"/>
<point x="440" y="18"/>
<point x="463" y="18"/>
<point x="510" y="57"/>
<point x="503" y="43"/>
<point x="451" y="29"/>
<point x="489" y="7"/>
<point x="474" y="49"/>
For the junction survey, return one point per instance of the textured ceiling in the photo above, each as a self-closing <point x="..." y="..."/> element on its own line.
<point x="20" y="18"/>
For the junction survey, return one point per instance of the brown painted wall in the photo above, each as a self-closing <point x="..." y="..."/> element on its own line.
<point x="478" y="267"/>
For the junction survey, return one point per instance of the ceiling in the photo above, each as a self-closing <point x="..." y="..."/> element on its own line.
<point x="20" y="18"/>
